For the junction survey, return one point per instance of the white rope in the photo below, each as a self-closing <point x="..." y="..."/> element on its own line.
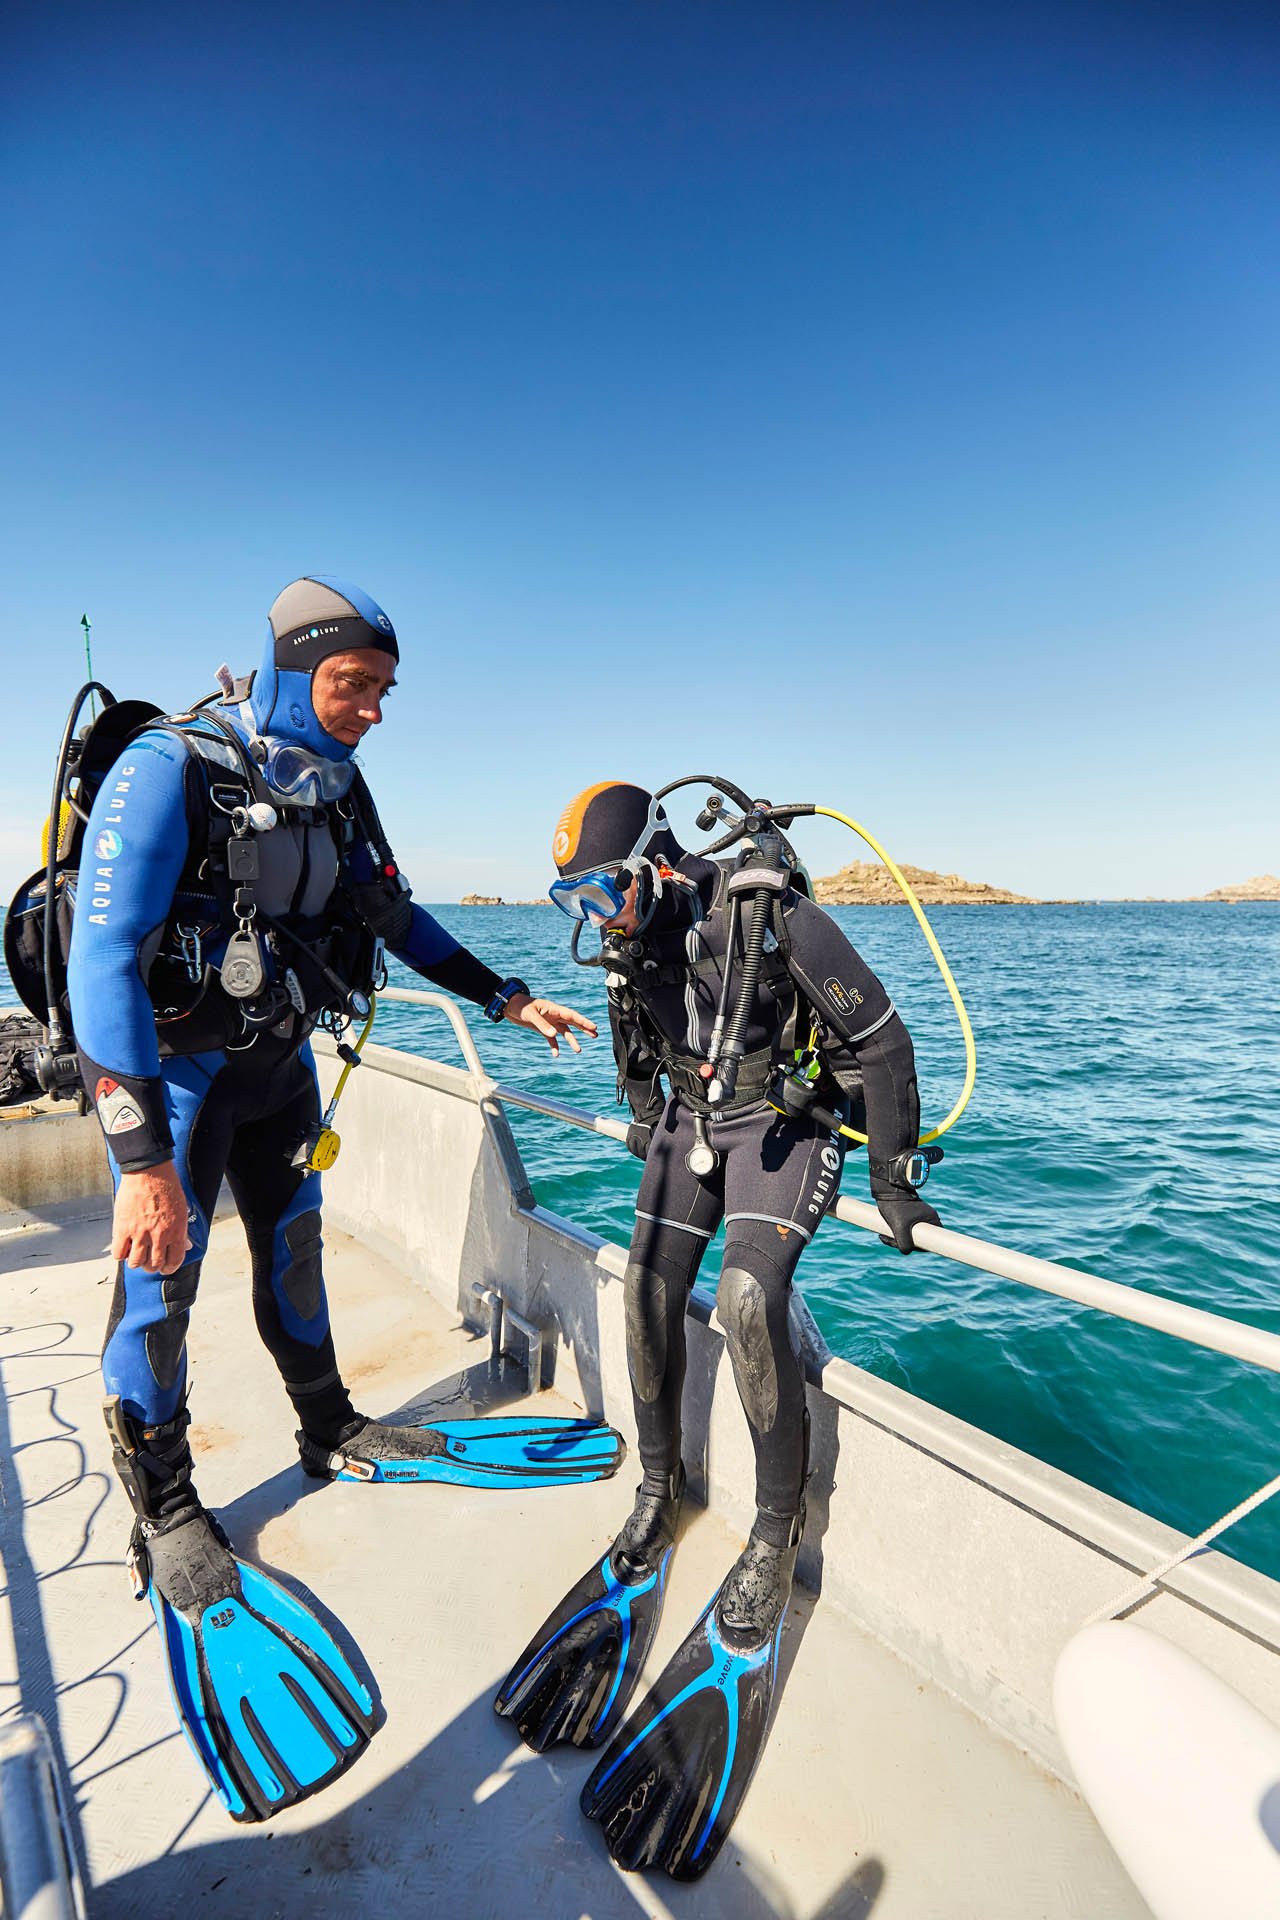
<point x="1132" y="1595"/>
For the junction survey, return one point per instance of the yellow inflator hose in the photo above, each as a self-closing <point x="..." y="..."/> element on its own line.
<point x="970" y="1054"/>
<point x="323" y="1145"/>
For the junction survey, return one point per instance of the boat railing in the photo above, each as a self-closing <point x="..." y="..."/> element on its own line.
<point x="39" y="1875"/>
<point x="1124" y="1302"/>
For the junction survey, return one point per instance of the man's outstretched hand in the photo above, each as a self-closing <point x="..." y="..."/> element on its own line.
<point x="552" y="1021"/>
<point x="149" y="1225"/>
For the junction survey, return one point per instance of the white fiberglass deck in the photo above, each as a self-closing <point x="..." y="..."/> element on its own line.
<point x="878" y="1793"/>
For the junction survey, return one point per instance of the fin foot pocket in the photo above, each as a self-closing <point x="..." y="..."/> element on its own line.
<point x="523" y="1451"/>
<point x="575" y="1679"/>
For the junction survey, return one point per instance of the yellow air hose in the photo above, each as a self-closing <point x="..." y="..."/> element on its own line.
<point x="323" y="1145"/>
<point x="970" y="1054"/>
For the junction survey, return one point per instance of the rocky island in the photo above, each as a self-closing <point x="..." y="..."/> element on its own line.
<point x="1264" y="886"/>
<point x="865" y="883"/>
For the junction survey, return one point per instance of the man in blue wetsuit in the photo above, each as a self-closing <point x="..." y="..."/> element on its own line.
<point x="236" y="890"/>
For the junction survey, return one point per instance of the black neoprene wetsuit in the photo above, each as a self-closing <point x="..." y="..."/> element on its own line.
<point x="777" y="1176"/>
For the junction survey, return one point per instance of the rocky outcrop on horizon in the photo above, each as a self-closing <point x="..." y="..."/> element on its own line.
<point x="865" y="883"/>
<point x="1264" y="886"/>
<point x="496" y="900"/>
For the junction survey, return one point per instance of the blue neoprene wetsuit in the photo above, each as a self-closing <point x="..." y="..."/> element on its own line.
<point x="238" y="1108"/>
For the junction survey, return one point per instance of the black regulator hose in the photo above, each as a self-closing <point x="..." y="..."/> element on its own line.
<point x="724" y="1085"/>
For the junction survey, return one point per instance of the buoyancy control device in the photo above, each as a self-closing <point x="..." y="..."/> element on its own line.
<point x="766" y="868"/>
<point x="326" y="971"/>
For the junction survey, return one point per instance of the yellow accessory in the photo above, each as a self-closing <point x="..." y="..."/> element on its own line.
<point x="65" y="821"/>
<point x="323" y="1146"/>
<point x="324" y="1152"/>
<point x="970" y="1053"/>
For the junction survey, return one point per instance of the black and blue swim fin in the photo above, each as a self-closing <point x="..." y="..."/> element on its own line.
<point x="523" y="1451"/>
<point x="575" y="1678"/>
<point x="670" y="1785"/>
<point x="269" y="1705"/>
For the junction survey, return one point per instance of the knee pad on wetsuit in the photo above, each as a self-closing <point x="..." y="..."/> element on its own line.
<point x="297" y="1264"/>
<point x="753" y="1300"/>
<point x="146" y="1336"/>
<point x="647" y="1308"/>
<point x="656" y="1284"/>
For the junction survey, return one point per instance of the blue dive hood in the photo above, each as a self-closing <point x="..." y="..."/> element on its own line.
<point x="314" y="617"/>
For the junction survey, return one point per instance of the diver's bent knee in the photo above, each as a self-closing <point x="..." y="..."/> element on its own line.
<point x="742" y="1304"/>
<point x="647" y="1300"/>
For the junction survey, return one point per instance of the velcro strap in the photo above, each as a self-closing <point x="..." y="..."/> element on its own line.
<point x="757" y="879"/>
<point x="685" y="1075"/>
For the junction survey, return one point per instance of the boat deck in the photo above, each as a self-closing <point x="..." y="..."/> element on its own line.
<point x="878" y="1793"/>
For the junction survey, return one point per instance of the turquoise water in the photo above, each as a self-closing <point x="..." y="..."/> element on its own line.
<point x="1124" y="1122"/>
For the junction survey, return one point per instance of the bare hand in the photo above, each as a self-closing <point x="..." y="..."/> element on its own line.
<point x="551" y="1020"/>
<point x="149" y="1225"/>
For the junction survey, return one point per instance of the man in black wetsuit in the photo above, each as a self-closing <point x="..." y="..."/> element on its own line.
<point x="710" y="1156"/>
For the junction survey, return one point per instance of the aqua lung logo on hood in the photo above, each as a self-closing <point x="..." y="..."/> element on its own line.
<point x="384" y="623"/>
<point x="314" y="633"/>
<point x="108" y="845"/>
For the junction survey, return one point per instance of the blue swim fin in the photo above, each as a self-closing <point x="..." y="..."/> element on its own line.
<point x="669" y="1787"/>
<point x="524" y="1451"/>
<point x="272" y="1710"/>
<point x="576" y="1677"/>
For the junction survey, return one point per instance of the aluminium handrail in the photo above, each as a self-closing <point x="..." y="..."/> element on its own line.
<point x="39" y="1875"/>
<point x="1191" y="1324"/>
<point x="441" y="1003"/>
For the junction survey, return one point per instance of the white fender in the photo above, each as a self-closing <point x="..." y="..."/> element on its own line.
<point x="1182" y="1773"/>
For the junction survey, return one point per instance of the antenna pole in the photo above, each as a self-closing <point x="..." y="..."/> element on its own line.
<point x="87" y="624"/>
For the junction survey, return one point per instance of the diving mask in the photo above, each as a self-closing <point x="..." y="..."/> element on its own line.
<point x="598" y="897"/>
<point x="601" y="895"/>
<point x="304" y="777"/>
<point x="296" y="772"/>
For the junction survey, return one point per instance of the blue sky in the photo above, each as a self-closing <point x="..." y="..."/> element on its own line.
<point x="877" y="404"/>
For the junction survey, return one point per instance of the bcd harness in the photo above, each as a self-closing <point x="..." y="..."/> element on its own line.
<point x="645" y="1051"/>
<point x="327" y="963"/>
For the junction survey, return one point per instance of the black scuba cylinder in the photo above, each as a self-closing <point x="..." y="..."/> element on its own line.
<point x="57" y="1067"/>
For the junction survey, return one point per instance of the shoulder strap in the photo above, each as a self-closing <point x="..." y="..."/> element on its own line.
<point x="370" y="827"/>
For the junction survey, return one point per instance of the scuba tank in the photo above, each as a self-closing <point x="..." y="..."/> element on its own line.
<point x="37" y="927"/>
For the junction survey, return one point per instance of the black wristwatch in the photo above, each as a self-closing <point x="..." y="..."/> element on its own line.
<point x="910" y="1168"/>
<point x="497" y="1007"/>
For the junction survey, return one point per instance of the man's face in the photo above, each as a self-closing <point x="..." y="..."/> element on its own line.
<point x="624" y="922"/>
<point x="348" y="689"/>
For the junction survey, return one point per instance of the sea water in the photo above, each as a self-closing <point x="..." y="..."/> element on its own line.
<point x="1124" y="1122"/>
